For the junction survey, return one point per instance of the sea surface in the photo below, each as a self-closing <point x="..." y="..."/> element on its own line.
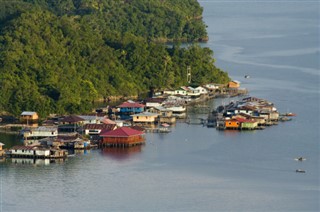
<point x="195" y="168"/>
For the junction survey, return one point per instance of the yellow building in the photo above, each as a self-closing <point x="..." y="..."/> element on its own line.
<point x="1" y="144"/>
<point x="232" y="124"/>
<point x="29" y="116"/>
<point x="234" y="84"/>
<point x="145" y="117"/>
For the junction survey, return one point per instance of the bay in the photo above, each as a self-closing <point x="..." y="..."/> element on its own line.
<point x="195" y="168"/>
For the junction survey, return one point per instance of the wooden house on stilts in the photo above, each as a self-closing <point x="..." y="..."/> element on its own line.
<point x="122" y="137"/>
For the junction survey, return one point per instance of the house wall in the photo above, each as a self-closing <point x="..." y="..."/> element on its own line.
<point x="148" y="119"/>
<point x="274" y="115"/>
<point x="169" y="92"/>
<point x="42" y="152"/>
<point x="123" y="140"/>
<point x="248" y="112"/>
<point x="153" y="104"/>
<point x="232" y="124"/>
<point x="233" y="85"/>
<point x="181" y="92"/>
<point x="22" y="152"/>
<point x="169" y="120"/>
<point x="35" y="133"/>
<point x="202" y="90"/>
<point x="249" y="125"/>
<point x="264" y="115"/>
<point x="92" y="131"/>
<point x="131" y="110"/>
<point x="30" y="117"/>
<point x="91" y="121"/>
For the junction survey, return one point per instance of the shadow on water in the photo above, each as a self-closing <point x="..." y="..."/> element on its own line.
<point x="121" y="154"/>
<point x="32" y="161"/>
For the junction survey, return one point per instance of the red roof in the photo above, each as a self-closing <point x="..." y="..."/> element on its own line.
<point x="244" y="120"/>
<point x="129" y="104"/>
<point x="122" y="132"/>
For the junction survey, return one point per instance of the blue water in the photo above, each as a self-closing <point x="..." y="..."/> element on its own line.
<point x="195" y="168"/>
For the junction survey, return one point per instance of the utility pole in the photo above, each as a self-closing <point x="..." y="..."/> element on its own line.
<point x="189" y="74"/>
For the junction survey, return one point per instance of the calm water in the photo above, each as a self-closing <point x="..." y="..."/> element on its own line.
<point x="200" y="169"/>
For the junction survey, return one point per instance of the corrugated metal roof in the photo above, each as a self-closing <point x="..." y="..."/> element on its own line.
<point x="72" y="119"/>
<point x="23" y="147"/>
<point x="28" y="113"/>
<point x="155" y="100"/>
<point x="99" y="126"/>
<point x="146" y="114"/>
<point x="244" y="120"/>
<point x="108" y="121"/>
<point x="122" y="132"/>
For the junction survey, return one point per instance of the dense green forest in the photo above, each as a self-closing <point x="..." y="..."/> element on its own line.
<point x="58" y="56"/>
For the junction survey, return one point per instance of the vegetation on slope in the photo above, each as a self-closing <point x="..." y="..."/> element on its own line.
<point x="60" y="56"/>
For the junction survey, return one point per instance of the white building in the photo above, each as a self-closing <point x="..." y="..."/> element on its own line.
<point x="31" y="136"/>
<point x="201" y="90"/>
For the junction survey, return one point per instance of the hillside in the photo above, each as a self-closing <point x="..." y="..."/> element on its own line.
<point x="60" y="56"/>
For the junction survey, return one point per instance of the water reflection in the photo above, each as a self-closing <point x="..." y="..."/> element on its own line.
<point x="121" y="154"/>
<point x="33" y="162"/>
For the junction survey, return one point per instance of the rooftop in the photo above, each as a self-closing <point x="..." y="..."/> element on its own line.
<point x="131" y="104"/>
<point x="28" y="113"/>
<point x="122" y="132"/>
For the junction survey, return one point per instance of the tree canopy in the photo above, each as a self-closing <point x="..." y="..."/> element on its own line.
<point x="58" y="56"/>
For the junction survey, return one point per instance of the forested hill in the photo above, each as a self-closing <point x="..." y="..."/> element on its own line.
<point x="58" y="56"/>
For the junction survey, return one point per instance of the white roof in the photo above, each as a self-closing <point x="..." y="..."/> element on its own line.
<point x="146" y="114"/>
<point x="28" y="113"/>
<point x="161" y="108"/>
<point x="88" y="117"/>
<point x="45" y="129"/>
<point x="2" y="144"/>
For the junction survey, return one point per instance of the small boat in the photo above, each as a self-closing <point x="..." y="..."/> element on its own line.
<point x="284" y="118"/>
<point x="290" y="114"/>
<point x="300" y="171"/>
<point x="247" y="76"/>
<point x="165" y="125"/>
<point x="300" y="159"/>
<point x="163" y="130"/>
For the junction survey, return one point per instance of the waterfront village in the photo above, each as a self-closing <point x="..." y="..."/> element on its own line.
<point x="125" y="125"/>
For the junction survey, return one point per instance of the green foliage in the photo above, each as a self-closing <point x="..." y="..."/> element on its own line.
<point x="59" y="56"/>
